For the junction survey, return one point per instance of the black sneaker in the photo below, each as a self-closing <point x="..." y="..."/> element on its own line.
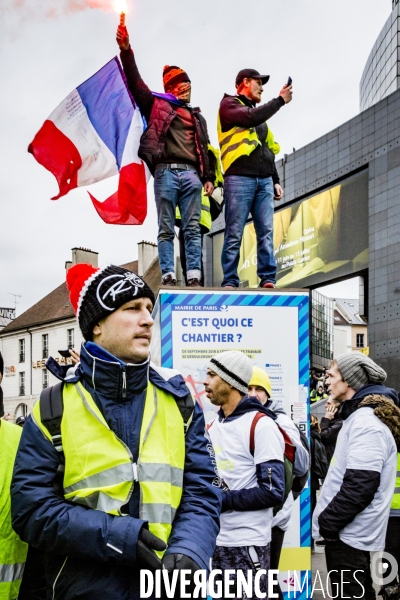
<point x="168" y="280"/>
<point x="194" y="283"/>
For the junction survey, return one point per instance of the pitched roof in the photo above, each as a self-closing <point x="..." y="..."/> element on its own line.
<point x="56" y="305"/>
<point x="349" y="312"/>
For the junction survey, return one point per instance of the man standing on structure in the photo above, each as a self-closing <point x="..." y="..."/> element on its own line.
<point x="175" y="148"/>
<point x="251" y="181"/>
<point x="128" y="471"/>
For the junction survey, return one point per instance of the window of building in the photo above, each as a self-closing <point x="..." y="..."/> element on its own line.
<point x="71" y="338"/>
<point x="45" y="379"/>
<point x="45" y="345"/>
<point x="22" y="351"/>
<point x="360" y="340"/>
<point x="22" y="383"/>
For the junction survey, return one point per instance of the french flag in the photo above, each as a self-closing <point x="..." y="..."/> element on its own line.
<point x="94" y="134"/>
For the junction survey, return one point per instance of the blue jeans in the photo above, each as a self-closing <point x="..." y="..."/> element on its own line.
<point x="181" y="188"/>
<point x="244" y="195"/>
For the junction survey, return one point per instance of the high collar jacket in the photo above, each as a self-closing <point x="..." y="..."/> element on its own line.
<point x="80" y="543"/>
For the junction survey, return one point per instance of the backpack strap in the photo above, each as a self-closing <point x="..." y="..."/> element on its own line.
<point x="289" y="446"/>
<point x="186" y="408"/>
<point x="257" y="417"/>
<point x="51" y="412"/>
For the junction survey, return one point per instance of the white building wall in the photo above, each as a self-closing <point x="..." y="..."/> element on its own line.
<point x="342" y="340"/>
<point x="34" y="364"/>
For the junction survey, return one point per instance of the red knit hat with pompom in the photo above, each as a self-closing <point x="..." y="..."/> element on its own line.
<point x="96" y="293"/>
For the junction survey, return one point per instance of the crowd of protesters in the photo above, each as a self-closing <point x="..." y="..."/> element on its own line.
<point x="237" y="477"/>
<point x="115" y="471"/>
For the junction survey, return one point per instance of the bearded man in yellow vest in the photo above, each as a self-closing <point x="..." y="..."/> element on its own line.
<point x="251" y="181"/>
<point x="136" y="474"/>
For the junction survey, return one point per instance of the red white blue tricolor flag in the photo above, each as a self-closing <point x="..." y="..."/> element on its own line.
<point x="92" y="135"/>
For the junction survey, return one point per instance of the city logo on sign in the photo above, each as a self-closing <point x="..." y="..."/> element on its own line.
<point x="113" y="285"/>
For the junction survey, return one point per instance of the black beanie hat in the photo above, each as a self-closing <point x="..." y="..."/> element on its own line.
<point x="96" y="293"/>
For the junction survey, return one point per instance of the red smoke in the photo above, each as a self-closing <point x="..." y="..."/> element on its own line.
<point x="49" y="9"/>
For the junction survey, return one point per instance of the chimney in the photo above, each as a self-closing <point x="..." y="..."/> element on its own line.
<point x="147" y="253"/>
<point x="84" y="255"/>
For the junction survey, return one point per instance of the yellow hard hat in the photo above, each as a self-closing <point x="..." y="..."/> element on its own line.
<point x="261" y="378"/>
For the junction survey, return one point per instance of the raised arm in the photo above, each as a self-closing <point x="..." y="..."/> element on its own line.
<point x="137" y="87"/>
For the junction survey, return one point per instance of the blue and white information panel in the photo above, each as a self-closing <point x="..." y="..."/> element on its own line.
<point x="272" y="328"/>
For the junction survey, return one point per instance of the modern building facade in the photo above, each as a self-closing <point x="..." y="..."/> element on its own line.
<point x="321" y="329"/>
<point x="381" y="74"/>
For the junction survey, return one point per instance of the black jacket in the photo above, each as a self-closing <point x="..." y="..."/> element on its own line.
<point x="329" y="432"/>
<point x="159" y="114"/>
<point x="261" y="162"/>
<point x="319" y="463"/>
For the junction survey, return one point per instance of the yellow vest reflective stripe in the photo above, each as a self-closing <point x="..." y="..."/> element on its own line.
<point x="161" y="461"/>
<point x="240" y="141"/>
<point x="396" y="495"/>
<point x="99" y="469"/>
<point x="12" y="549"/>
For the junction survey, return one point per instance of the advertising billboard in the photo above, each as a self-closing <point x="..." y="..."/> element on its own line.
<point x="272" y="328"/>
<point x="318" y="239"/>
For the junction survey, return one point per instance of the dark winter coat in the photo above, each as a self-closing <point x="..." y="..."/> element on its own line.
<point x="319" y="462"/>
<point x="159" y="114"/>
<point x="78" y="541"/>
<point x="329" y="432"/>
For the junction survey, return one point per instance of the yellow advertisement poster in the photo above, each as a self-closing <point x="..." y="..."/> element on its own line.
<point x="320" y="238"/>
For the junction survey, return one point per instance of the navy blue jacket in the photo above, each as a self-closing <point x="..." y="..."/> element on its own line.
<point x="79" y="543"/>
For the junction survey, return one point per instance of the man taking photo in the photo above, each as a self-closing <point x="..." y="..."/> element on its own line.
<point x="251" y="181"/>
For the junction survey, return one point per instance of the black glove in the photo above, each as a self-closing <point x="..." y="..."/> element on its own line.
<point x="146" y="545"/>
<point x="171" y="562"/>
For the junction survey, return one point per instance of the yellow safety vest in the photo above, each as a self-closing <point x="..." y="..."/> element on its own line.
<point x="99" y="469"/>
<point x="241" y="141"/>
<point x="205" y="215"/>
<point x="396" y="495"/>
<point x="12" y="550"/>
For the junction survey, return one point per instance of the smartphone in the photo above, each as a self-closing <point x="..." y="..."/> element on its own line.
<point x="64" y="353"/>
<point x="289" y="81"/>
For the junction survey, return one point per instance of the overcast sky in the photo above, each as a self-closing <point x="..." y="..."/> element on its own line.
<point x="48" y="48"/>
